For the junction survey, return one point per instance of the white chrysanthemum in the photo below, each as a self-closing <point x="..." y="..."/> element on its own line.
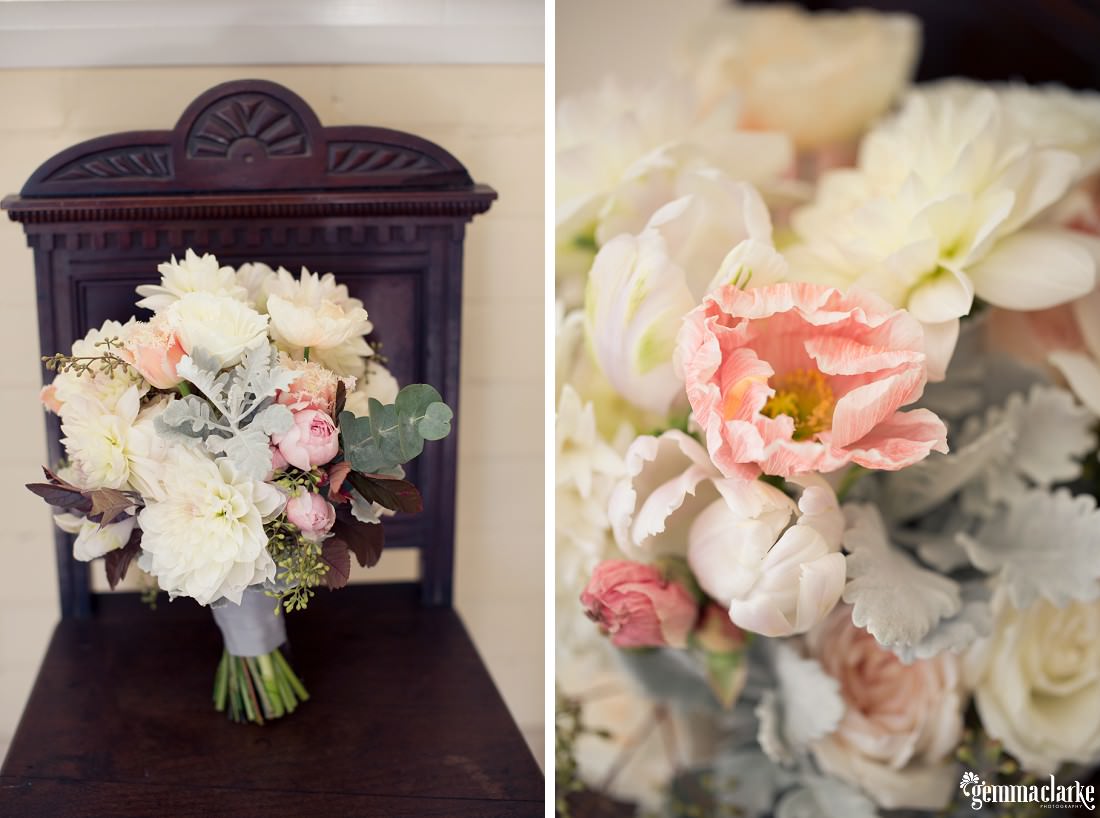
<point x="316" y="312"/>
<point x="942" y="208"/>
<point x="149" y="451"/>
<point x="256" y="277"/>
<point x="92" y="539"/>
<point x="95" y="385"/>
<point x="206" y="538"/>
<point x="222" y="327"/>
<point x="99" y="439"/>
<point x="822" y="78"/>
<point x="193" y="274"/>
<point x="378" y="383"/>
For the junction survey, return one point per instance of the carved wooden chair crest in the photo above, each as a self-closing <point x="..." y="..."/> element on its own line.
<point x="250" y="174"/>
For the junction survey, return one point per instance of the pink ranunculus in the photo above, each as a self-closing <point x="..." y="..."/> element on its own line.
<point x="312" y="513"/>
<point x="901" y="724"/>
<point x="313" y="388"/>
<point x="794" y="378"/>
<point x="638" y="606"/>
<point x="155" y="351"/>
<point x="311" y="441"/>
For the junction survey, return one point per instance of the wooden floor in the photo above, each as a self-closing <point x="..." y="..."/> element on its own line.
<point x="403" y="720"/>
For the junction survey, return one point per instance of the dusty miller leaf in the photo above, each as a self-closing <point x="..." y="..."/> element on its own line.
<point x="895" y="599"/>
<point x="804" y="706"/>
<point x="823" y="797"/>
<point x="238" y="415"/>
<point x="955" y="633"/>
<point x="1047" y="544"/>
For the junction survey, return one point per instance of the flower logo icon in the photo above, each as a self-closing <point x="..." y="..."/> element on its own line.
<point x="969" y="779"/>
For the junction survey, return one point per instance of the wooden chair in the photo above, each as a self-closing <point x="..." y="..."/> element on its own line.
<point x="404" y="719"/>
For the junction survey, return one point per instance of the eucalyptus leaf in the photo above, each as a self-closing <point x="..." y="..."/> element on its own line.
<point x="393" y="434"/>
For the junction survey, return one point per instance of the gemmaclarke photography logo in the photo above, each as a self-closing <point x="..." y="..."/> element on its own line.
<point x="1048" y="794"/>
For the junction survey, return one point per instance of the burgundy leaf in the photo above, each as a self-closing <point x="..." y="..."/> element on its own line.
<point x="62" y="496"/>
<point x="108" y="505"/>
<point x="117" y="561"/>
<point x="337" y="474"/>
<point x="341" y="399"/>
<point x="366" y="540"/>
<point x="389" y="492"/>
<point x="334" y="553"/>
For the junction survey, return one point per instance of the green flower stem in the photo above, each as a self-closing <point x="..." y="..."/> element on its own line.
<point x="305" y="354"/>
<point x="256" y="688"/>
<point x="184" y="387"/>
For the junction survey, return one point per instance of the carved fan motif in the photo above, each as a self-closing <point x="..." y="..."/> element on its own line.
<point x="247" y="116"/>
<point x="375" y="157"/>
<point x="139" y="163"/>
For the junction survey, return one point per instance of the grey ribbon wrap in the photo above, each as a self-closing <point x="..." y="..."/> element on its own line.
<point x="251" y="628"/>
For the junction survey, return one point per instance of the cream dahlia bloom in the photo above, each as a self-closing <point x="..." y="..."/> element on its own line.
<point x="100" y="440"/>
<point x="1038" y="684"/>
<point x="944" y="206"/>
<point x="222" y="327"/>
<point x="192" y="274"/>
<point x="98" y="386"/>
<point x="205" y="538"/>
<point x="822" y="78"/>
<point x="314" y="311"/>
<point x="256" y="277"/>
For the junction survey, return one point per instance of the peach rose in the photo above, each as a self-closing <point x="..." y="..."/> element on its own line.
<point x="794" y="378"/>
<point x="312" y="513"/>
<point x="901" y="724"/>
<point x="155" y="351"/>
<point x="638" y="606"/>
<point x="311" y="441"/>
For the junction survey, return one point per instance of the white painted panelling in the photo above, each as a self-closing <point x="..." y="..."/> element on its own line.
<point x="86" y="33"/>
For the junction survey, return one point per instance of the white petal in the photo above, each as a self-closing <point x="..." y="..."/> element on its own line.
<point x="1033" y="270"/>
<point x="1082" y="373"/>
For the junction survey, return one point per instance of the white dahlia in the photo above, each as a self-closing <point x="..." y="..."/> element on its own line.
<point x="193" y="274"/>
<point x="205" y="539"/>
<point x="96" y="385"/>
<point x="316" y="312"/>
<point x="99" y="439"/>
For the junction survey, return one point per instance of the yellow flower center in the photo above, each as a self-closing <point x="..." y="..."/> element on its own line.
<point x="803" y="395"/>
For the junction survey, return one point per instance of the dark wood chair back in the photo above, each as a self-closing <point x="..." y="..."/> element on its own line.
<point x="250" y="174"/>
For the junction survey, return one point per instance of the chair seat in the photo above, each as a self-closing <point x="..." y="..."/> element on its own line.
<point x="403" y="719"/>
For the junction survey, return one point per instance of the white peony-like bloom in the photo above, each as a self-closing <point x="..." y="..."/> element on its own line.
<point x="192" y="274"/>
<point x="640" y="287"/>
<point x="92" y="539"/>
<point x="95" y="385"/>
<point x="378" y="383"/>
<point x="256" y="277"/>
<point x="942" y="207"/>
<point x="99" y="439"/>
<point x="314" y="311"/>
<point x="205" y="538"/>
<point x="222" y="327"/>
<point x="776" y="564"/>
<point x="823" y="78"/>
<point x="1038" y="684"/>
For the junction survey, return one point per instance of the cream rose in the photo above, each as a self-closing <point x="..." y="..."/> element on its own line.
<point x="901" y="724"/>
<point x="1038" y="684"/>
<point x="222" y="327"/>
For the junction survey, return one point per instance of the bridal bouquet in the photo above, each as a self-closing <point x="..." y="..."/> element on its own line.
<point x="241" y="444"/>
<point x="828" y="362"/>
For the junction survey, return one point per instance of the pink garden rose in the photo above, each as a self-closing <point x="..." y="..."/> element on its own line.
<point x="901" y="722"/>
<point x="311" y="441"/>
<point x="638" y="606"/>
<point x="794" y="378"/>
<point x="313" y="388"/>
<point x="155" y="351"/>
<point x="312" y="513"/>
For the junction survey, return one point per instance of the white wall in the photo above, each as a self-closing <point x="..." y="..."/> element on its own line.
<point x="491" y="118"/>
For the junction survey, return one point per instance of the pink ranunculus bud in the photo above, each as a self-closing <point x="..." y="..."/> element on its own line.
<point x="155" y="351"/>
<point x="312" y="513"/>
<point x="311" y="441"/>
<point x="716" y="633"/>
<point x="638" y="606"/>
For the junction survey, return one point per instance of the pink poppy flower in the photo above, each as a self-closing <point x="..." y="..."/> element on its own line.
<point x="794" y="378"/>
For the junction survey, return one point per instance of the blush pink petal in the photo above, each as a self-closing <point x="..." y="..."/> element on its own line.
<point x="905" y="439"/>
<point x="865" y="407"/>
